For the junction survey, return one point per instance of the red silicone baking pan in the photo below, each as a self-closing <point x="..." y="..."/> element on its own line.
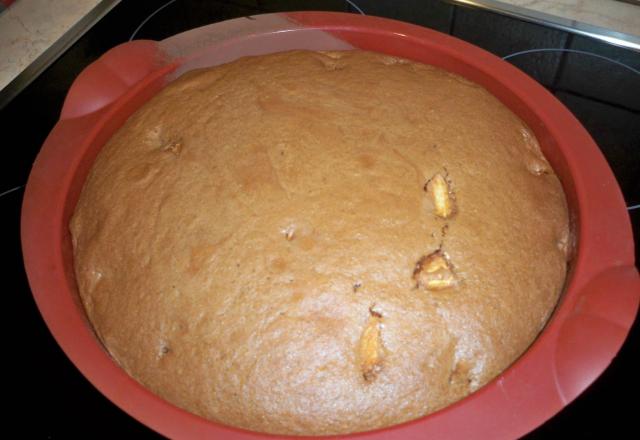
<point x="586" y="331"/>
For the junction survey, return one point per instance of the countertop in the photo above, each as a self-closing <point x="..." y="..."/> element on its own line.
<point x="607" y="14"/>
<point x="33" y="33"/>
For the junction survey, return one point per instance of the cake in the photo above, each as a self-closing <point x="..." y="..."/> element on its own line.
<point x="319" y="242"/>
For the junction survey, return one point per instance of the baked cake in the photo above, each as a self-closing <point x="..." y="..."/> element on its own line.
<point x="319" y="242"/>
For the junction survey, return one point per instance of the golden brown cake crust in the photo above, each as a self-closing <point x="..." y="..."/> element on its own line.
<point x="319" y="242"/>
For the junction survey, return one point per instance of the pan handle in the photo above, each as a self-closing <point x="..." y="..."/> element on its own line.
<point x="110" y="76"/>
<point x="593" y="332"/>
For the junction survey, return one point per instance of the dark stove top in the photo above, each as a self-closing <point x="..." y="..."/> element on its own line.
<point x="48" y="391"/>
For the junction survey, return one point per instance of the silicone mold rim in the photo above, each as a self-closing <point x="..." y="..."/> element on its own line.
<point x="584" y="334"/>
